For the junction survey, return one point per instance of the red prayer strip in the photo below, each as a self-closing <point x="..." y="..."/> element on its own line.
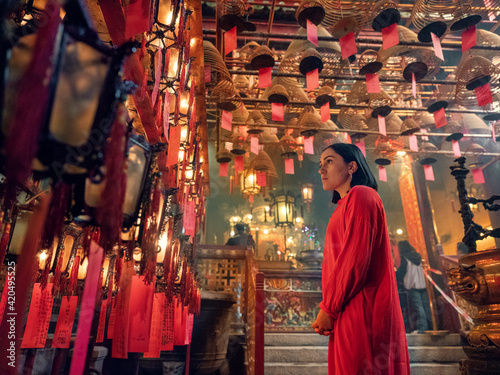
<point x="390" y="36"/>
<point x="348" y="45"/>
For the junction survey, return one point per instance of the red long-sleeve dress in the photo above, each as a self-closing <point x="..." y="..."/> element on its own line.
<point x="360" y="292"/>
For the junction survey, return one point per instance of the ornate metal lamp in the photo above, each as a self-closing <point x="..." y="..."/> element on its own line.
<point x="284" y="209"/>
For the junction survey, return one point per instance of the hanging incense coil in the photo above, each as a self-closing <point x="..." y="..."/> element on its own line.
<point x="326" y="94"/>
<point x="263" y="163"/>
<point x="427" y="151"/>
<point x="396" y="58"/>
<point x="246" y="52"/>
<point x="427" y="11"/>
<point x="473" y="69"/>
<point x="311" y="60"/>
<point x="217" y="65"/>
<point x="241" y="83"/>
<point x="409" y="126"/>
<point x="262" y="57"/>
<point x="311" y="10"/>
<point x="255" y="122"/>
<point x="309" y="123"/>
<point x="239" y="144"/>
<point x="327" y="135"/>
<point x="329" y="52"/>
<point x="367" y="57"/>
<point x="223" y="156"/>
<point x="278" y="94"/>
<point x="379" y="7"/>
<point x="231" y="12"/>
<point x="225" y="96"/>
<point x="288" y="146"/>
<point x="336" y="11"/>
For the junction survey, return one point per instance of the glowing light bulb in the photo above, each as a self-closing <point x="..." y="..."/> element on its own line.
<point x="266" y="231"/>
<point x="399" y="231"/>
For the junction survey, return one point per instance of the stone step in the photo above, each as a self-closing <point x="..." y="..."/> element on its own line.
<point x="435" y="369"/>
<point x="287" y="368"/>
<point x="435" y="354"/>
<point x="313" y="339"/>
<point x="319" y="354"/>
<point x="302" y="354"/>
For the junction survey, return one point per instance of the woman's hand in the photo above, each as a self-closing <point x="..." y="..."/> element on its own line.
<point x="323" y="324"/>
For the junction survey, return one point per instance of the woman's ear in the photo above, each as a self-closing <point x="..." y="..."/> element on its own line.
<point x="353" y="167"/>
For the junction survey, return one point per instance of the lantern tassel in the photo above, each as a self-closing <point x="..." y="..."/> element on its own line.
<point x="4" y="242"/>
<point x="31" y="105"/>
<point x="110" y="214"/>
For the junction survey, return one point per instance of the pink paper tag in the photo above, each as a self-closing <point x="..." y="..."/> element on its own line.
<point x="37" y="326"/>
<point x="261" y="179"/>
<point x="477" y="174"/>
<point x="382" y="173"/>
<point x="489" y="4"/>
<point x="208" y="73"/>
<point x="440" y="118"/>
<point x="155" y="335"/>
<point x="277" y="110"/>
<point x="312" y="79"/>
<point x="381" y="125"/>
<point x="238" y="164"/>
<point x="189" y="218"/>
<point x="325" y="112"/>
<point x="167" y="326"/>
<point x="173" y="145"/>
<point x="308" y="145"/>
<point x="424" y="137"/>
<point x="265" y="77"/>
<point x="230" y="42"/>
<point x="456" y="149"/>
<point x="223" y="167"/>
<point x="86" y="309"/>
<point x="429" y="172"/>
<point x="254" y="145"/>
<point x="372" y="83"/>
<point x="483" y="94"/>
<point x="413" y="86"/>
<point x="361" y="146"/>
<point x="141" y="311"/>
<point x="158" y="63"/>
<point x="64" y="326"/>
<point x="469" y="38"/>
<point x="390" y="36"/>
<point x="348" y="45"/>
<point x="227" y="120"/>
<point x="250" y="199"/>
<point x="412" y="138"/>
<point x="347" y="138"/>
<point x="312" y="33"/>
<point x="190" y="323"/>
<point x="289" y="169"/>
<point x="102" y="320"/>
<point x="438" y="51"/>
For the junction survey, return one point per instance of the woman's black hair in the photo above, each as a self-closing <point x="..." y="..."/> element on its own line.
<point x="363" y="175"/>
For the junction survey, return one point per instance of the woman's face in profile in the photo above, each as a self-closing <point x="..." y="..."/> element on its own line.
<point x="334" y="172"/>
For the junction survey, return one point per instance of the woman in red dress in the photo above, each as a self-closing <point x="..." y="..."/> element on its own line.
<point x="360" y="310"/>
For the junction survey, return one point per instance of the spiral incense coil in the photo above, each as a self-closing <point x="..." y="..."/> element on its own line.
<point x="368" y="56"/>
<point x="218" y="68"/>
<point x="483" y="38"/>
<point x="427" y="11"/>
<point x="338" y="10"/>
<point x="329" y="52"/>
<point x="231" y="12"/>
<point x="397" y="58"/>
<point x="262" y="57"/>
<point x="225" y="96"/>
<point x="309" y="123"/>
<point x="239" y="144"/>
<point x="409" y="126"/>
<point x="247" y="51"/>
<point x="473" y="69"/>
<point x="288" y="146"/>
<point x="311" y="10"/>
<point x="263" y="163"/>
